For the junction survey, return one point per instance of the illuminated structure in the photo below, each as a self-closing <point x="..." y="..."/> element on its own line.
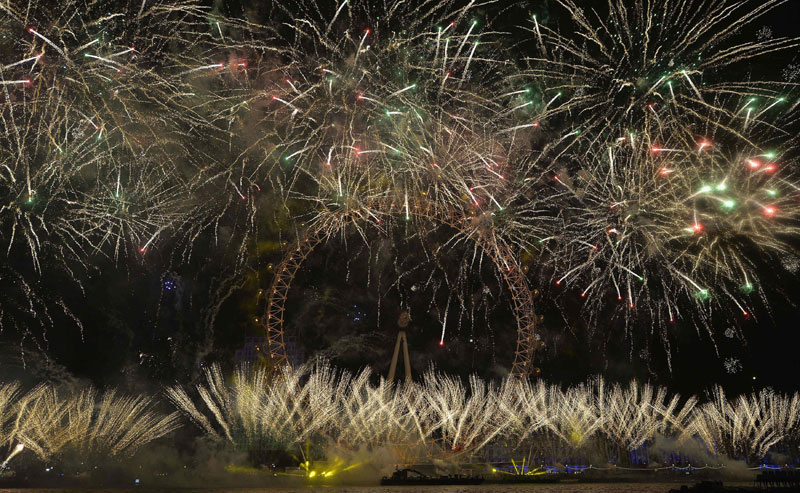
<point x="502" y="257"/>
<point x="401" y="337"/>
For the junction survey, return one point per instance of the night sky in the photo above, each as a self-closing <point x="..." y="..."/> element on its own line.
<point x="154" y="319"/>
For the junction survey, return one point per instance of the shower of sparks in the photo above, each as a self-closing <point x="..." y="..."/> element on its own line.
<point x="442" y="419"/>
<point x="666" y="225"/>
<point x="615" y="154"/>
<point x="79" y="425"/>
<point x="644" y="56"/>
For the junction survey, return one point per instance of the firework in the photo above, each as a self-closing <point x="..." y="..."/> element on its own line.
<point x="84" y="425"/>
<point x="370" y="129"/>
<point x="438" y="417"/>
<point x="680" y="183"/>
<point x="87" y="144"/>
<point x="87" y="423"/>
<point x="666" y="141"/>
<point x="367" y="122"/>
<point x="549" y="421"/>
<point x="608" y="200"/>
<point x="634" y="415"/>
<point x="442" y="419"/>
<point x="17" y="450"/>
<point x="614" y="162"/>
<point x="741" y="428"/>
<point x="256" y="411"/>
<point x="610" y="69"/>
<point x="525" y="408"/>
<point x="784" y="417"/>
<point x="9" y="393"/>
<point x="665" y="224"/>
<point x="463" y="420"/>
<point x="377" y="414"/>
<point x="164" y="122"/>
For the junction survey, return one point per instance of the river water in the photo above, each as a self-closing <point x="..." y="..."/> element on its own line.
<point x="488" y="488"/>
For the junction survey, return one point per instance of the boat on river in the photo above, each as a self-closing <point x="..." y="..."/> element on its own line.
<point x="412" y="477"/>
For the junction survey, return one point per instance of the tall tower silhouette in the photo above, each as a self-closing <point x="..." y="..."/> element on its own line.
<point x="402" y="322"/>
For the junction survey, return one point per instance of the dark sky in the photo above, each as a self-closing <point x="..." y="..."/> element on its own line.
<point x="146" y="323"/>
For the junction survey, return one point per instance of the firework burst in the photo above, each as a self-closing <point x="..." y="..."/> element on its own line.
<point x="443" y="419"/>
<point x="86" y="425"/>
<point x="667" y="224"/>
<point x="87" y="162"/>
<point x="631" y="57"/>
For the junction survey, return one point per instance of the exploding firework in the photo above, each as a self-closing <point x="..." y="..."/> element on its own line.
<point x="363" y="144"/>
<point x="258" y="412"/>
<point x="615" y="161"/>
<point x="368" y="121"/>
<point x="668" y="139"/>
<point x="634" y="415"/>
<point x="91" y="122"/>
<point x="668" y="223"/>
<point x="660" y="137"/>
<point x="374" y="128"/>
<point x="88" y="424"/>
<point x="610" y="68"/>
<point x="85" y="425"/>
<point x="461" y="420"/>
<point x="147" y="123"/>
<point x="741" y="428"/>
<point x="376" y="414"/>
<point x="784" y="416"/>
<point x="549" y="421"/>
<point x="442" y="419"/>
<point x="8" y="396"/>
